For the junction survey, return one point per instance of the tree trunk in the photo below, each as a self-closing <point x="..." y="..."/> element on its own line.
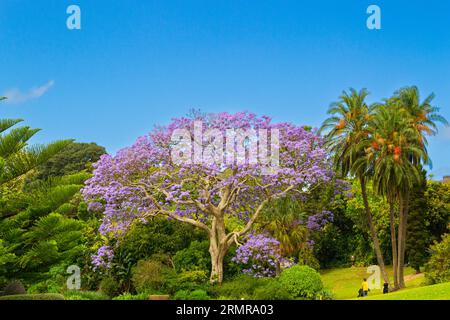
<point x="376" y="242"/>
<point x="218" y="247"/>
<point x="393" y="242"/>
<point x="402" y="238"/>
<point x="217" y="256"/>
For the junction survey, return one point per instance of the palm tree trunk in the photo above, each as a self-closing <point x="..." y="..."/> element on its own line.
<point x="402" y="238"/>
<point x="376" y="242"/>
<point x="393" y="242"/>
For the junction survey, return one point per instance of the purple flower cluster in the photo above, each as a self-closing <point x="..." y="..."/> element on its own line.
<point x="260" y="255"/>
<point x="317" y="221"/>
<point x="103" y="258"/>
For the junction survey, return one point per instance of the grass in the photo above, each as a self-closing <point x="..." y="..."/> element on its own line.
<point x="345" y="282"/>
<point x="435" y="292"/>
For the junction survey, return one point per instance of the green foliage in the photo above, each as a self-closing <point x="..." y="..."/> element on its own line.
<point x="363" y="252"/>
<point x="301" y="282"/>
<point x="148" y="275"/>
<point x="39" y="296"/>
<point x="186" y="280"/>
<point x="438" y="208"/>
<point x="14" y="287"/>
<point x="240" y="287"/>
<point x="195" y="257"/>
<point x="51" y="240"/>
<point x="158" y="236"/>
<point x="74" y="158"/>
<point x="272" y="290"/>
<point x="418" y="235"/>
<point x="85" y="295"/>
<point x="129" y="296"/>
<point x="438" y="266"/>
<point x="17" y="158"/>
<point x="306" y="257"/>
<point x="197" y="294"/>
<point x="109" y="286"/>
<point x="40" y="240"/>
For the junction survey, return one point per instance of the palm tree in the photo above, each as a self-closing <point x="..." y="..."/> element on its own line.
<point x="422" y="120"/>
<point x="391" y="145"/>
<point x="346" y="129"/>
<point x="282" y="220"/>
<point x="17" y="158"/>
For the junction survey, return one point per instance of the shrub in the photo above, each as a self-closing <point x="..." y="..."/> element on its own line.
<point x="109" y="286"/>
<point x="147" y="275"/>
<point x="438" y="267"/>
<point x="14" y="287"/>
<point x="187" y="280"/>
<point x="197" y="294"/>
<point x="129" y="296"/>
<point x="325" y="295"/>
<point x="40" y="296"/>
<point x="241" y="287"/>
<point x="195" y="257"/>
<point x="85" y="295"/>
<point x="272" y="290"/>
<point x="301" y="282"/>
<point x="306" y="257"/>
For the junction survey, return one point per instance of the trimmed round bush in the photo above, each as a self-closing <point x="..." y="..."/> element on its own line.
<point x="301" y="282"/>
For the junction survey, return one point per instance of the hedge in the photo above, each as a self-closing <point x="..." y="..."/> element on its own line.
<point x="38" y="296"/>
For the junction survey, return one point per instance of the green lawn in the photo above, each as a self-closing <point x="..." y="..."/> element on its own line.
<point x="435" y="292"/>
<point x="345" y="282"/>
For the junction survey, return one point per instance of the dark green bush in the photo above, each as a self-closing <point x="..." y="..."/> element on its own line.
<point x="272" y="290"/>
<point x="437" y="269"/>
<point x="241" y="287"/>
<point x="306" y="257"/>
<point x="197" y="294"/>
<point x="187" y="280"/>
<point x="39" y="296"/>
<point x="195" y="257"/>
<point x="85" y="295"/>
<point x="302" y="282"/>
<point x="14" y="287"/>
<point x="147" y="275"/>
<point x="325" y="294"/>
<point x="109" y="286"/>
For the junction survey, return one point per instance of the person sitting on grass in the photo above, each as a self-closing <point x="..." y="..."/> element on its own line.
<point x="365" y="287"/>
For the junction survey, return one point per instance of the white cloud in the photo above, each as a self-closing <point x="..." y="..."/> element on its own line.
<point x="16" y="96"/>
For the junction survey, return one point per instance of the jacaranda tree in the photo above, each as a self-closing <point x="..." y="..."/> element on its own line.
<point x="216" y="172"/>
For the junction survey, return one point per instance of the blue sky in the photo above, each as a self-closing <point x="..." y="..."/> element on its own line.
<point x="135" y="64"/>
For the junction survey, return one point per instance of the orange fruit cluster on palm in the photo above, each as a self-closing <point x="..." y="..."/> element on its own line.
<point x="341" y="124"/>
